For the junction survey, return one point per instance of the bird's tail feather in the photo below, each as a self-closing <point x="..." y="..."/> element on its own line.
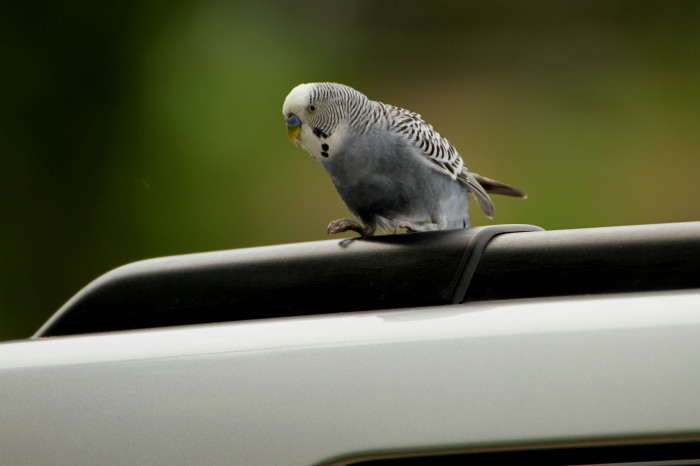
<point x="496" y="187"/>
<point x="480" y="195"/>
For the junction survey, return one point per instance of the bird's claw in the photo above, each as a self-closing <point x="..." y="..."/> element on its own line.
<point x="345" y="224"/>
<point x="410" y="227"/>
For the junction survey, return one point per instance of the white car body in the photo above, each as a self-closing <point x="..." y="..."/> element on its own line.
<point x="332" y="389"/>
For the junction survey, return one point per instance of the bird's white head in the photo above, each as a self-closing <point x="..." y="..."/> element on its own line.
<point x="296" y="109"/>
<point x="318" y="114"/>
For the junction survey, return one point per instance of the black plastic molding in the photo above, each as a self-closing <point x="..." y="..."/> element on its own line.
<point x="589" y="261"/>
<point x="382" y="272"/>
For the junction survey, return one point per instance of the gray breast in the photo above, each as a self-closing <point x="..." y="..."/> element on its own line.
<point x="380" y="174"/>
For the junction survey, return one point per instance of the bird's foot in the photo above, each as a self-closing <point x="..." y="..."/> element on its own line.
<point x="411" y="227"/>
<point x="345" y="224"/>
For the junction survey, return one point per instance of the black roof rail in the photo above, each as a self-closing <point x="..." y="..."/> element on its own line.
<point x="589" y="261"/>
<point x="383" y="272"/>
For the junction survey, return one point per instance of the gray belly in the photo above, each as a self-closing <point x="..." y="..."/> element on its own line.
<point x="387" y="179"/>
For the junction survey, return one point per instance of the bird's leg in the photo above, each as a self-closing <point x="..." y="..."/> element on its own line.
<point x="411" y="227"/>
<point x="345" y="224"/>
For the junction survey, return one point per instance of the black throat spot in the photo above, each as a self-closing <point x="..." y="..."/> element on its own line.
<point x="320" y="133"/>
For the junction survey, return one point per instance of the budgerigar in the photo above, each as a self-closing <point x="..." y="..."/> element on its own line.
<point x="391" y="168"/>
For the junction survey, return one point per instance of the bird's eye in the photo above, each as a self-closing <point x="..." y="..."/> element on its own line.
<point x="311" y="108"/>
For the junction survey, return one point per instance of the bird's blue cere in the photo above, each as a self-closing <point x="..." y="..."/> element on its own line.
<point x="292" y="120"/>
<point x="293" y="126"/>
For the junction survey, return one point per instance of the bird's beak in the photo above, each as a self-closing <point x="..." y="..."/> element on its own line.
<point x="293" y="127"/>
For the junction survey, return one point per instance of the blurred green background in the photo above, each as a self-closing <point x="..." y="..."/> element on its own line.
<point x="136" y="129"/>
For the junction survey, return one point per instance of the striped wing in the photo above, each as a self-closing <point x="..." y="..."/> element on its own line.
<point x="437" y="150"/>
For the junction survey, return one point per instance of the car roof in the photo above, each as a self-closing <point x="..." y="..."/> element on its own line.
<point x="332" y="389"/>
